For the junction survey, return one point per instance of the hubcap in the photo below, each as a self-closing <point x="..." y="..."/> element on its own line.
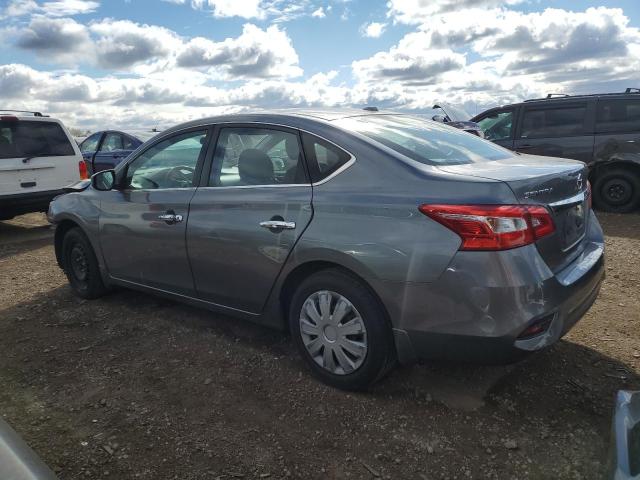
<point x="333" y="332"/>
<point x="79" y="263"/>
<point x="617" y="191"/>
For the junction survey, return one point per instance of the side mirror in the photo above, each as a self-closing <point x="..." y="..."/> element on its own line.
<point x="104" y="180"/>
<point x="439" y="118"/>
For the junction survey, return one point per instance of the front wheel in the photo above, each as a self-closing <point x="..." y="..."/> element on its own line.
<point x="341" y="330"/>
<point x="617" y="190"/>
<point x="81" y="266"/>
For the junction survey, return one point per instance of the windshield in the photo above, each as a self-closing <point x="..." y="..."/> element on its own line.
<point x="424" y="141"/>
<point x="33" y="139"/>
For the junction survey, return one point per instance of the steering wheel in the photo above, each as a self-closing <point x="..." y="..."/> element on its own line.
<point x="180" y="175"/>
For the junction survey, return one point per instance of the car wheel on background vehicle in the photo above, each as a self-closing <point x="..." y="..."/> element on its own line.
<point x="81" y="265"/>
<point x="341" y="330"/>
<point x="617" y="190"/>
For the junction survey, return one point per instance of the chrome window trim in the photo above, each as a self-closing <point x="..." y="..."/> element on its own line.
<point x="344" y="167"/>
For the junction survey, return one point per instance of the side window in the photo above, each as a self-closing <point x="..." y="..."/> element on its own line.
<point x="497" y="125"/>
<point x="111" y="142"/>
<point x="561" y="121"/>
<point x="618" y="116"/>
<point x="324" y="158"/>
<point x="170" y="163"/>
<point x="257" y="156"/>
<point x="90" y="144"/>
<point x="128" y="143"/>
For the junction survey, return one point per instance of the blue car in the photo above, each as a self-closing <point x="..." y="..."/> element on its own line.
<point x="105" y="149"/>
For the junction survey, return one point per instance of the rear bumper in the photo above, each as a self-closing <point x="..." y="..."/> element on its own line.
<point x="20" y="203"/>
<point x="477" y="310"/>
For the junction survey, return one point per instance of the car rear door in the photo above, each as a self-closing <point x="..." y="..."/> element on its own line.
<point x="143" y="221"/>
<point x="618" y="130"/>
<point x="499" y="125"/>
<point x="245" y="219"/>
<point x="557" y="129"/>
<point x="35" y="156"/>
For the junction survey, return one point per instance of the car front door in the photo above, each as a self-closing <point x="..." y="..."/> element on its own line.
<point x="498" y="126"/>
<point x="110" y="153"/>
<point x="246" y="218"/>
<point x="143" y="221"/>
<point x="562" y="129"/>
<point x="89" y="147"/>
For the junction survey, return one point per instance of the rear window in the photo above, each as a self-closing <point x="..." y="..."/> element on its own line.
<point x="424" y="141"/>
<point x="323" y="157"/>
<point x="554" y="122"/>
<point x="33" y="139"/>
<point x="618" y="116"/>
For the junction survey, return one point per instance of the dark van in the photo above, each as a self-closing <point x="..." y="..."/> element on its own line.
<point x="601" y="130"/>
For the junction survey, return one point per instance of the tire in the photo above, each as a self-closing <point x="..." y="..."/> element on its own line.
<point x="328" y="336"/>
<point x="81" y="266"/>
<point x="617" y="190"/>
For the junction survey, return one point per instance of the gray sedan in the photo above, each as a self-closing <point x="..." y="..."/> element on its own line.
<point x="373" y="238"/>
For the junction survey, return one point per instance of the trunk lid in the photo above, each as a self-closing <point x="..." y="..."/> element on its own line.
<point x="558" y="184"/>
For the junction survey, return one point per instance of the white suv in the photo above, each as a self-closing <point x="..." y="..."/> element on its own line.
<point x="38" y="157"/>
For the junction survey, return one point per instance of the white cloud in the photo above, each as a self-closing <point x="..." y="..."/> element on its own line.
<point x="418" y="11"/>
<point x="121" y="44"/>
<point x="373" y="29"/>
<point x="516" y="55"/>
<point x="150" y="75"/>
<point x="56" y="8"/>
<point x="255" y="53"/>
<point x="57" y="40"/>
<point x="125" y="46"/>
<point x="319" y="13"/>
<point x="276" y="10"/>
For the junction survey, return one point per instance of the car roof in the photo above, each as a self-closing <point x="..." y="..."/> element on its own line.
<point x="568" y="98"/>
<point x="293" y="118"/>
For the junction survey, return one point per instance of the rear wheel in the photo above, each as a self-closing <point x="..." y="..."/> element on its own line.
<point x="341" y="331"/>
<point x="617" y="190"/>
<point x="81" y="266"/>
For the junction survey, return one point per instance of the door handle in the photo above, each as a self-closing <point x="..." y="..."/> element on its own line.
<point x="170" y="218"/>
<point x="278" y="225"/>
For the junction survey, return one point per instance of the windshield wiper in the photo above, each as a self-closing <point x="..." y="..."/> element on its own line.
<point x="26" y="159"/>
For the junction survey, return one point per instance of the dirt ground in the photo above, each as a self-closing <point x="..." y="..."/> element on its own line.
<point x="132" y="386"/>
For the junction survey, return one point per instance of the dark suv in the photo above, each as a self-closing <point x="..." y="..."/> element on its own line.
<point x="601" y="130"/>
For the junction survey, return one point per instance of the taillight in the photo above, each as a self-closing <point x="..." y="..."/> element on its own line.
<point x="82" y="169"/>
<point x="493" y="227"/>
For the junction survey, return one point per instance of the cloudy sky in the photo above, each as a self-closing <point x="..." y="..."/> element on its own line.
<point x="142" y="63"/>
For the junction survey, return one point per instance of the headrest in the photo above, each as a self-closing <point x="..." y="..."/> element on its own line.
<point x="255" y="167"/>
<point x="291" y="144"/>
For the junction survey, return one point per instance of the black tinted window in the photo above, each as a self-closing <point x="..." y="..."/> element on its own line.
<point x="33" y="139"/>
<point x="618" y="116"/>
<point x="324" y="158"/>
<point x="553" y="122"/>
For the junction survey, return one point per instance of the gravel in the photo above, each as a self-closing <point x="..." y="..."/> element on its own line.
<point x="134" y="386"/>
